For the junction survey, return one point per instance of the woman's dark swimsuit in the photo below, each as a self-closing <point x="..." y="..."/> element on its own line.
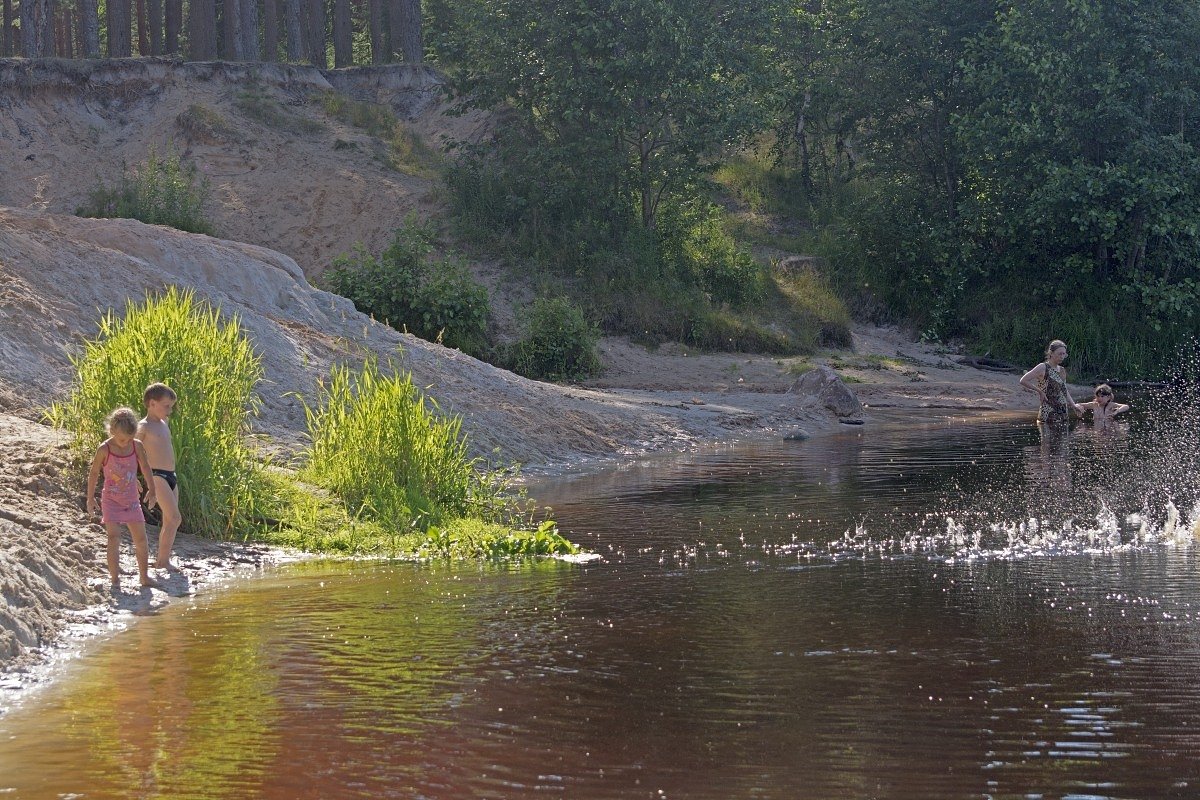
<point x="1054" y="410"/>
<point x="167" y="475"/>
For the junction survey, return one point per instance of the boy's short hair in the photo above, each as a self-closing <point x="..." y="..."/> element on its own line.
<point x="158" y="391"/>
<point x="122" y="419"/>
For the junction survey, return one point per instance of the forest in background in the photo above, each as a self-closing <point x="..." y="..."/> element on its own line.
<point x="992" y="172"/>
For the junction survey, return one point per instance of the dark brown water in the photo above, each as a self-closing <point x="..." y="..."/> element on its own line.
<point x="957" y="609"/>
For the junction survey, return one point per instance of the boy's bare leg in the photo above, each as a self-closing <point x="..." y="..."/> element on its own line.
<point x="114" y="555"/>
<point x="168" y="501"/>
<point x="137" y="532"/>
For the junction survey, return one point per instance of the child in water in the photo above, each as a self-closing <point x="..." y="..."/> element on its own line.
<point x="1105" y="407"/>
<point x="119" y="458"/>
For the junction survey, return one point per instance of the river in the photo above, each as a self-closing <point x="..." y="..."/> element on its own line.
<point x="960" y="607"/>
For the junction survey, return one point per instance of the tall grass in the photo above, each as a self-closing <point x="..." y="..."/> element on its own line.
<point x="381" y="447"/>
<point x="161" y="191"/>
<point x="213" y="369"/>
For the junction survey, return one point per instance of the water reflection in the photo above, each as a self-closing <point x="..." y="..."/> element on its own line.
<point x="919" y="612"/>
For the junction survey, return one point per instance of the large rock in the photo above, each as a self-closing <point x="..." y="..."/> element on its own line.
<point x="823" y="385"/>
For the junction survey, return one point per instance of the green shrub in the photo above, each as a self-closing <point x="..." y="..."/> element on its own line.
<point x="211" y="366"/>
<point x="558" y="343"/>
<point x="162" y="191"/>
<point x="696" y="247"/>
<point x="437" y="300"/>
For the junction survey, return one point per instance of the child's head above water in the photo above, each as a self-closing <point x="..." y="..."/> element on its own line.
<point x="1104" y="390"/>
<point x="122" y="421"/>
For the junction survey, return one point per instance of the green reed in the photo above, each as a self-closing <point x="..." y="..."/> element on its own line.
<point x="384" y="449"/>
<point x="185" y="343"/>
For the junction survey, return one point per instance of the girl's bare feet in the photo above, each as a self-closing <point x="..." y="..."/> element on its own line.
<point x="150" y="583"/>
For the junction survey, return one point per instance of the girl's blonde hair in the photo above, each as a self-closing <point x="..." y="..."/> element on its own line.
<point x="121" y="420"/>
<point x="1054" y="345"/>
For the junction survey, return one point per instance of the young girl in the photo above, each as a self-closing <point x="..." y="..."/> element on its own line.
<point x="1105" y="407"/>
<point x="119" y="458"/>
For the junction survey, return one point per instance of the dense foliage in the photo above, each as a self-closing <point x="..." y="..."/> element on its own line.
<point x="1021" y="172"/>
<point x="393" y="460"/>
<point x="408" y="288"/>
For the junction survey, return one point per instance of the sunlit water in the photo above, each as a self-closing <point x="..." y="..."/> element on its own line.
<point x="961" y="608"/>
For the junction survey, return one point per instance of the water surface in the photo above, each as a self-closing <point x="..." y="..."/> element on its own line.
<point x="959" y="608"/>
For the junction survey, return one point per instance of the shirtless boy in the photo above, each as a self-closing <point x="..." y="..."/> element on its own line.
<point x="155" y="436"/>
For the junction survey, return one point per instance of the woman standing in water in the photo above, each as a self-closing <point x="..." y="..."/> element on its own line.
<point x="1049" y="380"/>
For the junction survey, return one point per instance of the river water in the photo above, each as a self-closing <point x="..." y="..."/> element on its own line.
<point x="955" y="608"/>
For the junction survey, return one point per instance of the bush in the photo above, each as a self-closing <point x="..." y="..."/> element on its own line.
<point x="558" y="343"/>
<point x="162" y="191"/>
<point x="437" y="300"/>
<point x="695" y="246"/>
<point x="211" y="366"/>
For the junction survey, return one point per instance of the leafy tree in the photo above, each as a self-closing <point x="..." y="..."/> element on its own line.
<point x="625" y="101"/>
<point x="1085" y="179"/>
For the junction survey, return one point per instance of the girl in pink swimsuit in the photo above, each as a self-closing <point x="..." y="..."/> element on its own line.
<point x="119" y="458"/>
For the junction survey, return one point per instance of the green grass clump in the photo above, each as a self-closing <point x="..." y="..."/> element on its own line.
<point x="403" y="151"/>
<point x="211" y="366"/>
<point x="202" y="124"/>
<point x="254" y="102"/>
<point x="396" y="464"/>
<point x="162" y="191"/>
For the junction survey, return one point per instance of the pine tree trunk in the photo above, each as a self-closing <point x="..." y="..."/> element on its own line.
<point x="6" y="36"/>
<point x="120" y="43"/>
<point x="391" y="47"/>
<point x="406" y="31"/>
<point x="343" y="46"/>
<point x="62" y="28"/>
<point x="142" y="28"/>
<point x="174" y="22"/>
<point x="89" y="29"/>
<point x="293" y="21"/>
<point x="68" y="48"/>
<point x="37" y="31"/>
<point x="270" y="46"/>
<point x="316" y="33"/>
<point x="230" y="20"/>
<point x="248" y="30"/>
<point x="202" y="30"/>
<point x="375" y="23"/>
<point x="154" y="11"/>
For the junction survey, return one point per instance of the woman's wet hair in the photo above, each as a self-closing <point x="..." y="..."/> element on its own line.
<point x="1054" y="345"/>
<point x="122" y="420"/>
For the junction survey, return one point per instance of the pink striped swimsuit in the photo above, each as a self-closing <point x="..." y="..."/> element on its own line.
<point x="119" y="499"/>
